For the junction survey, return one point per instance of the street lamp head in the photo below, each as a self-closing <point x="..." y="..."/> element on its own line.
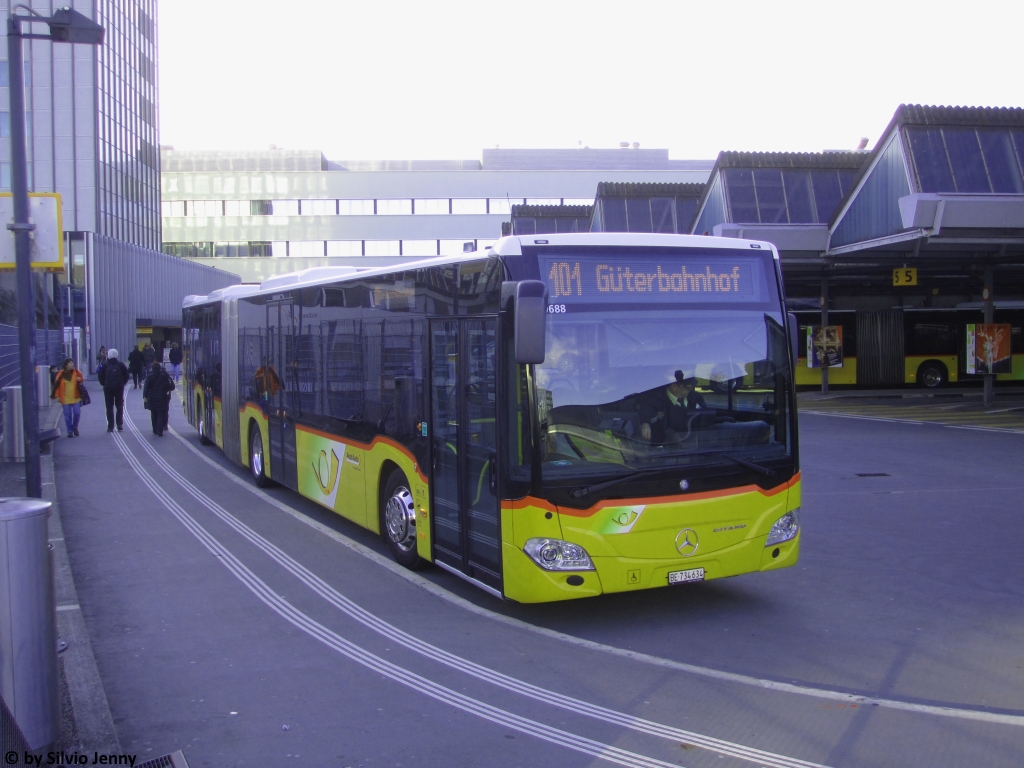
<point x="69" y="26"/>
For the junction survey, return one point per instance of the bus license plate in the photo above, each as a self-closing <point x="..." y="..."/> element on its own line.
<point x="681" y="577"/>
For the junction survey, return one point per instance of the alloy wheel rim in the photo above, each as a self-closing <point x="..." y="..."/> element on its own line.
<point x="400" y="519"/>
<point x="256" y="456"/>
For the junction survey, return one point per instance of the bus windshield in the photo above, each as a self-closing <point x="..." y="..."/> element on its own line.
<point x="631" y="386"/>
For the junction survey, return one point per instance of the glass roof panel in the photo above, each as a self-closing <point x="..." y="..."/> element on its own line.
<point x="638" y="210"/>
<point x="661" y="214"/>
<point x="614" y="210"/>
<point x="965" y="157"/>
<point x="1001" y="161"/>
<point x="827" y="193"/>
<point x="739" y="185"/>
<point x="929" y="154"/>
<point x="798" y="197"/>
<point x="771" y="197"/>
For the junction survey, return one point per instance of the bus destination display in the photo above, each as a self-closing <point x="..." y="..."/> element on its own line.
<point x="599" y="280"/>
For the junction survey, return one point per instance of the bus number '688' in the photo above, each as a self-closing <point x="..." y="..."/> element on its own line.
<point x="556" y="309"/>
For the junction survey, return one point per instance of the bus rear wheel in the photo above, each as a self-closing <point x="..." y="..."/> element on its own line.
<point x="398" y="521"/>
<point x="932" y="375"/>
<point x="257" y="466"/>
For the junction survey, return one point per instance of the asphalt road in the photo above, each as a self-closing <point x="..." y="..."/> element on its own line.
<point x="244" y="635"/>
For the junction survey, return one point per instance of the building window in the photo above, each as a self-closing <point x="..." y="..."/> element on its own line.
<point x="394" y="207"/>
<point x="261" y="207"/>
<point x="279" y="249"/>
<point x="172" y="208"/>
<point x="381" y="248"/>
<point x="5" y="125"/>
<point x="435" y="207"/>
<point x="285" y="207"/>
<point x="5" y="175"/>
<point x="5" y="75"/>
<point x="306" y="248"/>
<point x="344" y="247"/>
<point x="318" y="207"/>
<point x="355" y="207"/>
<point x="469" y="206"/>
<point x="238" y="207"/>
<point x="419" y="247"/>
<point x="204" y="208"/>
<point x="454" y="247"/>
<point x="502" y="205"/>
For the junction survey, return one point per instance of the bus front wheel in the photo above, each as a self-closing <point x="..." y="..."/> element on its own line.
<point x="398" y="521"/>
<point x="932" y="375"/>
<point x="257" y="465"/>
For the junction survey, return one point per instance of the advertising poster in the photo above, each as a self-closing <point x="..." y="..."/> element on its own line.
<point x="988" y="348"/>
<point x="824" y="346"/>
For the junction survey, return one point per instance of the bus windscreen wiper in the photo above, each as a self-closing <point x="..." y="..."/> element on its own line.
<point x="583" y="490"/>
<point x="750" y="465"/>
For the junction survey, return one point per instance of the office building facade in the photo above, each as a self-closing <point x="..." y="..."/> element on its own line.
<point x="266" y="212"/>
<point x="92" y="120"/>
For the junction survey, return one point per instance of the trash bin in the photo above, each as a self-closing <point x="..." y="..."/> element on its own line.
<point x="28" y="624"/>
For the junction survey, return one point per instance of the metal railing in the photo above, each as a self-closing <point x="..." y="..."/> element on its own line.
<point x="49" y="351"/>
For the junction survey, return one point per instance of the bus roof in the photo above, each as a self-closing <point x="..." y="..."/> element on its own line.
<point x="506" y="246"/>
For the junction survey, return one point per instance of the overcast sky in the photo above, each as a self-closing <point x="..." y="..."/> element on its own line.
<point x="418" y="80"/>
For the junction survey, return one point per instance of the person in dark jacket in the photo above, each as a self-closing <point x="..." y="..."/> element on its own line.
<point x="174" y="358"/>
<point x="136" y="366"/>
<point x="113" y="377"/>
<point x="148" y="356"/>
<point x="156" y="396"/>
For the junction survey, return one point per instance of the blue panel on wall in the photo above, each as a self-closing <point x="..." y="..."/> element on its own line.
<point x="875" y="211"/>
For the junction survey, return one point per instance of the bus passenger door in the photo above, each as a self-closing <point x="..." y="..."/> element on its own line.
<point x="464" y="445"/>
<point x="282" y="327"/>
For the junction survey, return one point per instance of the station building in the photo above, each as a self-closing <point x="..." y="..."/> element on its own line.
<point x="263" y="213"/>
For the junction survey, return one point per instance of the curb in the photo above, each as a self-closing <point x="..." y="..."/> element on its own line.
<point x="90" y="711"/>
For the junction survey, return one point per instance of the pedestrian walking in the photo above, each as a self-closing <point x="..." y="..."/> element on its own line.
<point x="136" y="366"/>
<point x="148" y="356"/>
<point x="67" y="389"/>
<point x="174" y="358"/>
<point x="113" y="378"/>
<point x="156" y="396"/>
<point x="101" y="358"/>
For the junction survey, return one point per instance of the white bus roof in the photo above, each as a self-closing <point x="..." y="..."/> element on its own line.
<point x="506" y="246"/>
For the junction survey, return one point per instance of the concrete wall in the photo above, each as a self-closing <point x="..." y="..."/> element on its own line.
<point x="128" y="282"/>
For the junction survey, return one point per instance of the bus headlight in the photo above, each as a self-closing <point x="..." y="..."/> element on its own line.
<point x="785" y="528"/>
<point x="558" y="555"/>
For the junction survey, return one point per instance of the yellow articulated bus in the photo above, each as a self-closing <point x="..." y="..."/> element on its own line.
<point x="927" y="347"/>
<point x="556" y="417"/>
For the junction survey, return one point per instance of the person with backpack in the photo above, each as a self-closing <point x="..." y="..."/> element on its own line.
<point x="148" y="356"/>
<point x="113" y="377"/>
<point x="136" y="366"/>
<point x="67" y="389"/>
<point x="156" y="396"/>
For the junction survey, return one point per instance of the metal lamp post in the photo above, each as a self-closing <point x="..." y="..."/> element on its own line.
<point x="66" y="26"/>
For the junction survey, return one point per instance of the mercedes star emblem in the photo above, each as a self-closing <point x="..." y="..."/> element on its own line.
<point x="686" y="542"/>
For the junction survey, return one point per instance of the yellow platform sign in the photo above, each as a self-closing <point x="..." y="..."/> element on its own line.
<point x="904" y="276"/>
<point x="47" y="241"/>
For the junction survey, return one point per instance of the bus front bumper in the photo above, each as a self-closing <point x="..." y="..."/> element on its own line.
<point x="525" y="582"/>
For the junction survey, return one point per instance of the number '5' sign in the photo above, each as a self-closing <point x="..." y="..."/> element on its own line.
<point x="904" y="276"/>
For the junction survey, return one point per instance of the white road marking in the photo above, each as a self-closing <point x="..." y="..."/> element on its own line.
<point x="437" y="591"/>
<point x="394" y="672"/>
<point x="453" y="661"/>
<point x="71" y="607"/>
<point x="1003" y="430"/>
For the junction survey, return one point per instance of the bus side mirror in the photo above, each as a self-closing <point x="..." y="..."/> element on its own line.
<point x="531" y="310"/>
<point x="794" y="337"/>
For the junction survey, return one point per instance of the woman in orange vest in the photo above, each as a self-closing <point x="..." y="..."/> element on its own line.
<point x="67" y="390"/>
